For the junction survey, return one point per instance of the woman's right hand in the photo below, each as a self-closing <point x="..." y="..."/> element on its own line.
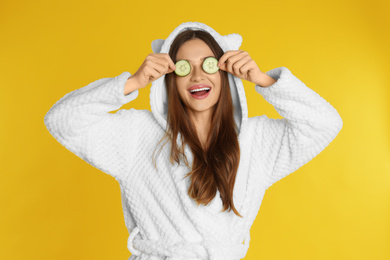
<point x="154" y="66"/>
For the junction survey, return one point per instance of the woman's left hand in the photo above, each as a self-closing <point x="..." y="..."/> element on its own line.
<point x="241" y="65"/>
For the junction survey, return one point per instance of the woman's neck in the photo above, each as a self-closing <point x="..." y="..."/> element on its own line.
<point x="201" y="122"/>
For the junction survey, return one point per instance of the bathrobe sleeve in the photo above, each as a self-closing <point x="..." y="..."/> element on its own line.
<point x="81" y="123"/>
<point x="308" y="125"/>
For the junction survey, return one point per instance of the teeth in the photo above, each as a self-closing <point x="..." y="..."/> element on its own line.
<point x="200" y="89"/>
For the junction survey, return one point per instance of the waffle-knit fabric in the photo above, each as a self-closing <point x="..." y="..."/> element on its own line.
<point x="163" y="221"/>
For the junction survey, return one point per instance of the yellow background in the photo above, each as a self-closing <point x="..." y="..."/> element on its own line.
<point x="56" y="206"/>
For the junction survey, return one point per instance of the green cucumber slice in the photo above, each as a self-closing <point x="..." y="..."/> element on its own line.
<point x="210" y="65"/>
<point x="183" y="68"/>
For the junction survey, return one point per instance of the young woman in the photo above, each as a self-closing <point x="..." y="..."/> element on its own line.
<point x="199" y="195"/>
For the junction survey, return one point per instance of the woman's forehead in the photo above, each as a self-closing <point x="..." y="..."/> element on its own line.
<point x="194" y="60"/>
<point x="194" y="51"/>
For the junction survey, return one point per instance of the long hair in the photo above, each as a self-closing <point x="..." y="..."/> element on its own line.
<point x="214" y="166"/>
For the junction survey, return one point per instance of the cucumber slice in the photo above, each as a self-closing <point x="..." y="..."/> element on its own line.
<point x="210" y="65"/>
<point x="183" y="68"/>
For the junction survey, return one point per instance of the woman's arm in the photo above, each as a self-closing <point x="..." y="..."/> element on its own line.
<point x="81" y="123"/>
<point x="265" y="80"/>
<point x="308" y="125"/>
<point x="130" y="86"/>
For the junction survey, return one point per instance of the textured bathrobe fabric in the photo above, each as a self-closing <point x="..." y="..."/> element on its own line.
<point x="162" y="220"/>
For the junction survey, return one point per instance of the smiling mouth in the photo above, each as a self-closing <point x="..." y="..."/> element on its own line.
<point x="200" y="94"/>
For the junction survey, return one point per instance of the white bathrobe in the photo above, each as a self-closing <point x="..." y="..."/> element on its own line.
<point x="163" y="221"/>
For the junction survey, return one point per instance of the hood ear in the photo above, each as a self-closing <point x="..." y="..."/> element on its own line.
<point x="156" y="45"/>
<point x="234" y="40"/>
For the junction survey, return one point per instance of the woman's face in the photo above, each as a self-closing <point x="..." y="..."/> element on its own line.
<point x="194" y="51"/>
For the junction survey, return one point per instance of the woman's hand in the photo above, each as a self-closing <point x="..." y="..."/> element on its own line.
<point x="154" y="66"/>
<point x="241" y="65"/>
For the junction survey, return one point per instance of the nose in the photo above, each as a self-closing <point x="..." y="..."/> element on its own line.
<point x="197" y="73"/>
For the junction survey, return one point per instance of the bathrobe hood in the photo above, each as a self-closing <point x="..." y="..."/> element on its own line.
<point x="158" y="94"/>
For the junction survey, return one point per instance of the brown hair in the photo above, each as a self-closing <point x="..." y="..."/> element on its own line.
<point x="214" y="166"/>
